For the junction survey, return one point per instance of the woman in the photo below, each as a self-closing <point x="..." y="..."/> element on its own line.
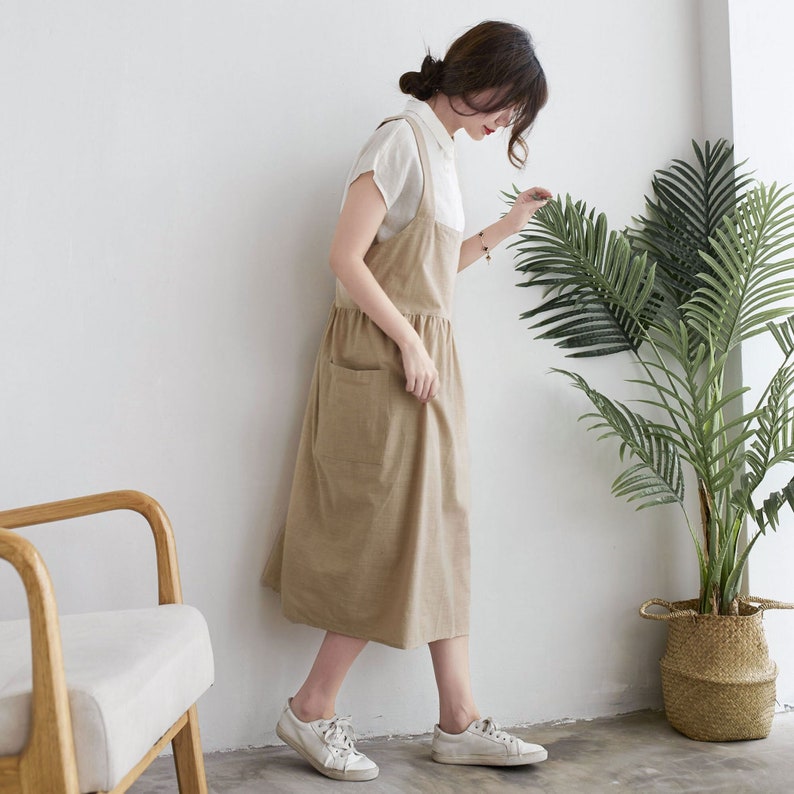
<point x="376" y="545"/>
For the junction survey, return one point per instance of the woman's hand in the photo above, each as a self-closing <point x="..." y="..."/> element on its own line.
<point x="421" y="375"/>
<point x="526" y="205"/>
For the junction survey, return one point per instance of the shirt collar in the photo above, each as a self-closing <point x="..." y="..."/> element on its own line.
<point x="427" y="115"/>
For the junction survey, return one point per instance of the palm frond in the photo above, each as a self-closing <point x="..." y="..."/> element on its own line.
<point x="783" y="334"/>
<point x="598" y="295"/>
<point x="657" y="477"/>
<point x="691" y="202"/>
<point x="750" y="276"/>
<point x="773" y="441"/>
<point x="776" y="500"/>
<point x="767" y="515"/>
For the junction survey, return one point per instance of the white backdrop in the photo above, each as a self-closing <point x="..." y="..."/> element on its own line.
<point x="171" y="175"/>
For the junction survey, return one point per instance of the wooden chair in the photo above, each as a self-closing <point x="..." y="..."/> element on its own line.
<point x="78" y="693"/>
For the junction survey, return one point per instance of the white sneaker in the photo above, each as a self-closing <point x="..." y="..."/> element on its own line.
<point x="484" y="744"/>
<point x="328" y="745"/>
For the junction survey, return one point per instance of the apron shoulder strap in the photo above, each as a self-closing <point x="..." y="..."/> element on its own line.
<point x="427" y="201"/>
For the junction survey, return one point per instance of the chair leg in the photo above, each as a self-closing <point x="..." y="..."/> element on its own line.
<point x="188" y="757"/>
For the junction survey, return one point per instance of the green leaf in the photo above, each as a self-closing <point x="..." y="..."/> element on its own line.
<point x="598" y="295"/>
<point x="657" y="478"/>
<point x="774" y="435"/>
<point x="784" y="335"/>
<point x="767" y="515"/>
<point x="749" y="278"/>
<point x="734" y="581"/>
<point x="690" y="204"/>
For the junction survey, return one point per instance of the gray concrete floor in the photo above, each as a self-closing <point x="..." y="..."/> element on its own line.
<point x="633" y="753"/>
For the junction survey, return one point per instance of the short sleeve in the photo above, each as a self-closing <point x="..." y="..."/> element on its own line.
<point x="391" y="154"/>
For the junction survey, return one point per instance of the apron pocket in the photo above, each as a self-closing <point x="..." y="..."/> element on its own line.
<point x="354" y="418"/>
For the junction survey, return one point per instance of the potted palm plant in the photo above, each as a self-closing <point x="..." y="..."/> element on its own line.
<point x="708" y="266"/>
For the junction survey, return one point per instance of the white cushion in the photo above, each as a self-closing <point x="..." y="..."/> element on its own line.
<point x="130" y="675"/>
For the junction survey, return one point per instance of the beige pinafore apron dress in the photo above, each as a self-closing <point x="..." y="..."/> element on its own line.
<point x="376" y="542"/>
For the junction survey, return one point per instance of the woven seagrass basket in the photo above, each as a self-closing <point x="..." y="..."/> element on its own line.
<point x="718" y="681"/>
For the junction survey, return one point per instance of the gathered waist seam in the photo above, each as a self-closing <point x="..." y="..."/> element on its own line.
<point x="404" y="313"/>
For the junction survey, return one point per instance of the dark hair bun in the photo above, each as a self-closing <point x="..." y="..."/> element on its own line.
<point x="424" y="83"/>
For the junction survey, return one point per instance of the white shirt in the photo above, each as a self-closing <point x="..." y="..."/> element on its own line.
<point x="392" y="155"/>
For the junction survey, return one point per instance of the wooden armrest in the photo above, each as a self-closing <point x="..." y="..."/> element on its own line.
<point x="168" y="583"/>
<point x="51" y="743"/>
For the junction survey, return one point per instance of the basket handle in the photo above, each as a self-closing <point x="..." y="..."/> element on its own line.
<point x="761" y="603"/>
<point x="765" y="603"/>
<point x="660" y="602"/>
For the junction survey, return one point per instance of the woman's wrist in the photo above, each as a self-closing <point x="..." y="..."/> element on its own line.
<point x="510" y="226"/>
<point x="408" y="339"/>
<point x="496" y="233"/>
<point x="484" y="242"/>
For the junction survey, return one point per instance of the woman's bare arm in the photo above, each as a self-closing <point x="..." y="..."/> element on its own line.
<point x="362" y="215"/>
<point x="525" y="206"/>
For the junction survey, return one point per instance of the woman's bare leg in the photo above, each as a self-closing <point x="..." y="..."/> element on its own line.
<point x="316" y="699"/>
<point x="456" y="704"/>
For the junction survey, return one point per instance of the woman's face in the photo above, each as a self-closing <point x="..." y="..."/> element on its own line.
<point x="480" y="125"/>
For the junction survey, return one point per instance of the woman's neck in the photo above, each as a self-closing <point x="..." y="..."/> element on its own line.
<point x="447" y="116"/>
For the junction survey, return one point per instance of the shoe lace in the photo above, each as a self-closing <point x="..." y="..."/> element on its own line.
<point x="339" y="734"/>
<point x="491" y="728"/>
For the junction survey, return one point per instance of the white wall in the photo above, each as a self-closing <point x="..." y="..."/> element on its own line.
<point x="763" y="119"/>
<point x="171" y="178"/>
<point x="715" y="69"/>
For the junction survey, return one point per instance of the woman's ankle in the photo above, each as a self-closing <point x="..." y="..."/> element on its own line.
<point x="457" y="720"/>
<point x="308" y="709"/>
